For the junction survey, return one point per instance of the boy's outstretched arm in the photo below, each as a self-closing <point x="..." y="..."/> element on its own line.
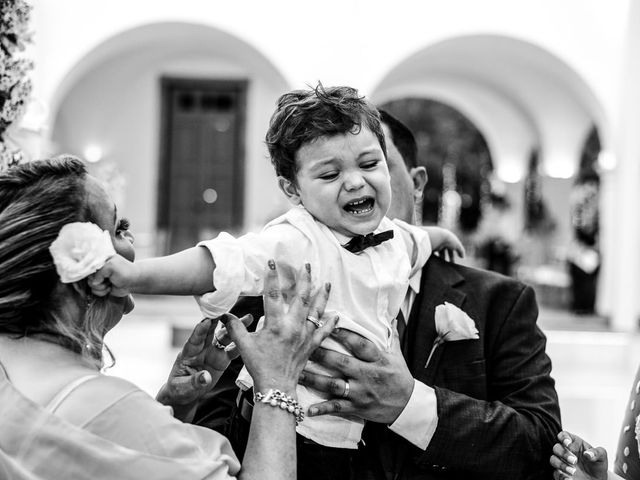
<point x="189" y="272"/>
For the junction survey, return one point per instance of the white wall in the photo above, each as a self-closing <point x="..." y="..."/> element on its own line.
<point x="116" y="105"/>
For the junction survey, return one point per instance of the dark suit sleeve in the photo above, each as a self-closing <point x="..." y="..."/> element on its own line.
<point x="511" y="433"/>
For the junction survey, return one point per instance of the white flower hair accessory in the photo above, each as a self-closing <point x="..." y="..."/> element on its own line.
<point x="452" y="324"/>
<point x="80" y="249"/>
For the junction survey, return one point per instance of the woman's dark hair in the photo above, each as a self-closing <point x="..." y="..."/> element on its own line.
<point x="303" y="116"/>
<point x="36" y="200"/>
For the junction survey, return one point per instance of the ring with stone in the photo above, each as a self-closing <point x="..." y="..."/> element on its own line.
<point x="345" y="394"/>
<point x="315" y="321"/>
<point x="217" y="344"/>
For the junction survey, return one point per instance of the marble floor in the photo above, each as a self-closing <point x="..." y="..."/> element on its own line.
<point x="593" y="367"/>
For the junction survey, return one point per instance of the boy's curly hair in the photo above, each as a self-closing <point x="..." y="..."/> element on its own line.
<point x="303" y="116"/>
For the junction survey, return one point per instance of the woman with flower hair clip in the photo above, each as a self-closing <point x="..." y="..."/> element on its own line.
<point x="59" y="416"/>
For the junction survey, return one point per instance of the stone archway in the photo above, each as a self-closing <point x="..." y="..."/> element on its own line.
<point x="523" y="98"/>
<point x="110" y="101"/>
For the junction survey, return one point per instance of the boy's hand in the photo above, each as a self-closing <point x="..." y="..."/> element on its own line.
<point x="117" y="278"/>
<point x="445" y="243"/>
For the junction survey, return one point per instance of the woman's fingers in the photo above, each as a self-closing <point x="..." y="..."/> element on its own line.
<point x="565" y="438"/>
<point x="316" y="310"/>
<point x="565" y="455"/>
<point x="594" y="455"/>
<point x="301" y="302"/>
<point x="559" y="464"/>
<point x="237" y="331"/>
<point x="221" y="337"/>
<point x="329" y="324"/>
<point x="559" y="475"/>
<point x="273" y="299"/>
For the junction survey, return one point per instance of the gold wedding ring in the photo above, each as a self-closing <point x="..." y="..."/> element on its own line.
<point x="345" y="394"/>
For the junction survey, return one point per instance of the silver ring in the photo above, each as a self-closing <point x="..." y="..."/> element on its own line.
<point x="217" y="344"/>
<point x="315" y="321"/>
<point x="345" y="394"/>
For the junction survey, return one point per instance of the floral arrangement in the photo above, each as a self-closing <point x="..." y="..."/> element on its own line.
<point x="80" y="249"/>
<point x="15" y="86"/>
<point x="452" y="324"/>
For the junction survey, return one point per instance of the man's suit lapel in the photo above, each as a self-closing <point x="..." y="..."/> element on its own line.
<point x="438" y="285"/>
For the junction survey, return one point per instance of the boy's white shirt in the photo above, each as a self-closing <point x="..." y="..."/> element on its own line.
<point x="296" y="237"/>
<point x="419" y="419"/>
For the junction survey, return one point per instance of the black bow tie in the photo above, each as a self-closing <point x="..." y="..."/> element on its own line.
<point x="360" y="242"/>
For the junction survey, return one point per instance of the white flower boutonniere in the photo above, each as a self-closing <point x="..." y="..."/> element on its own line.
<point x="452" y="324"/>
<point x="80" y="249"/>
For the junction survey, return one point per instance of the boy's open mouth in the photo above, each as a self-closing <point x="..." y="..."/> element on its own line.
<point x="360" y="206"/>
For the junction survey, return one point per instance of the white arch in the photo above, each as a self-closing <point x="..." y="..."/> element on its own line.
<point x="504" y="74"/>
<point x="111" y="98"/>
<point x="488" y="111"/>
<point x="168" y="39"/>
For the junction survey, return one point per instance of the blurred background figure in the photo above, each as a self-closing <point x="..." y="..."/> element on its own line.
<point x="497" y="236"/>
<point x="583" y="256"/>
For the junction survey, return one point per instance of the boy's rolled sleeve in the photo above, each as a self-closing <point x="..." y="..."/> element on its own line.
<point x="228" y="275"/>
<point x="417" y="242"/>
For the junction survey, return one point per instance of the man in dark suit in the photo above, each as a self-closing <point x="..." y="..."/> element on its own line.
<point x="484" y="408"/>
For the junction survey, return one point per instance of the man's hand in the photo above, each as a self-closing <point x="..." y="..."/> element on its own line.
<point x="380" y="383"/>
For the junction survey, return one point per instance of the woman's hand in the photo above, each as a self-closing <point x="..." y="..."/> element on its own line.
<point x="198" y="366"/>
<point x="276" y="354"/>
<point x="574" y="458"/>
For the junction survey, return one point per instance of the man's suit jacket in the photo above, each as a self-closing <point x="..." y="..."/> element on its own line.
<point x="498" y="410"/>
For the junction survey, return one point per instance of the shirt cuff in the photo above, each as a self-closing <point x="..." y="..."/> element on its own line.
<point x="418" y="421"/>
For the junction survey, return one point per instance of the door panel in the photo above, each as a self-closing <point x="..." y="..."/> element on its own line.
<point x="201" y="175"/>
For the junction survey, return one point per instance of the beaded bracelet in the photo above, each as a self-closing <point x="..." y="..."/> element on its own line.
<point x="277" y="398"/>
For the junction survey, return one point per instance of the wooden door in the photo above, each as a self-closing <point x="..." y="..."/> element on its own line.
<point x="201" y="167"/>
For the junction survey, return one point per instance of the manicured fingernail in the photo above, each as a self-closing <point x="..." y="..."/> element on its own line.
<point x="272" y="264"/>
<point x="570" y="470"/>
<point x="590" y="455"/>
<point x="327" y="287"/>
<point x="312" y="411"/>
<point x="566" y="442"/>
<point x="202" y="379"/>
<point x="572" y="459"/>
<point x="307" y="267"/>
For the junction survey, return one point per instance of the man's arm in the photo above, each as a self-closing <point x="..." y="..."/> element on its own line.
<point x="509" y="435"/>
<point x="515" y="427"/>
